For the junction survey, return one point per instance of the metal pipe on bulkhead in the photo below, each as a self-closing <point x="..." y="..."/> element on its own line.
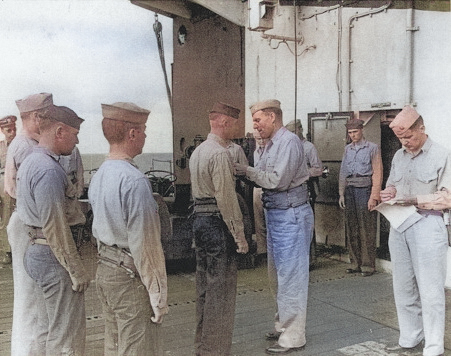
<point x="409" y="53"/>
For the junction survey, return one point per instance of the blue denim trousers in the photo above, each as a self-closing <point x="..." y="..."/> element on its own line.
<point x="127" y="312"/>
<point x="65" y="318"/>
<point x="216" y="277"/>
<point x="290" y="233"/>
<point x="418" y="257"/>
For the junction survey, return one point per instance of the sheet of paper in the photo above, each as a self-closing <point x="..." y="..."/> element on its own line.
<point x="396" y="214"/>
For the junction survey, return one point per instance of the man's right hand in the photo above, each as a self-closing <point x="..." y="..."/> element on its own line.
<point x="80" y="284"/>
<point x="388" y="193"/>
<point x="242" y="247"/>
<point x="341" y="202"/>
<point x="158" y="315"/>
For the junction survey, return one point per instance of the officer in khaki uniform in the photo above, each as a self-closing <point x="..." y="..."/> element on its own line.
<point x="218" y="233"/>
<point x="8" y="128"/>
<point x="131" y="276"/>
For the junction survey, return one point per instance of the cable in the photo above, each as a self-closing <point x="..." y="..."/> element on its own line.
<point x="158" y="29"/>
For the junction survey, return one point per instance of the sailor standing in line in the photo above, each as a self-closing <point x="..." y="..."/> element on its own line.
<point x="131" y="276"/>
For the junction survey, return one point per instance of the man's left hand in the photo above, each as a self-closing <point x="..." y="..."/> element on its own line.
<point x="240" y="169"/>
<point x="372" y="203"/>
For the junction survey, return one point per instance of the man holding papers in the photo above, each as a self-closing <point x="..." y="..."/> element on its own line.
<point x="420" y="177"/>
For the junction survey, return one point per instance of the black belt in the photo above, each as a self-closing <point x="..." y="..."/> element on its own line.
<point x="204" y="201"/>
<point x="426" y="212"/>
<point x="358" y="176"/>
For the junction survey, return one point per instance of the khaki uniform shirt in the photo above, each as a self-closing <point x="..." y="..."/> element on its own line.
<point x="19" y="148"/>
<point x="212" y="176"/>
<point x="73" y="167"/>
<point x="426" y="176"/>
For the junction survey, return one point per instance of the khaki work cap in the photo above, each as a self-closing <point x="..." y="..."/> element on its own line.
<point x="128" y="112"/>
<point x="34" y="102"/>
<point x="404" y="120"/>
<point x="226" y="109"/>
<point x="266" y="104"/>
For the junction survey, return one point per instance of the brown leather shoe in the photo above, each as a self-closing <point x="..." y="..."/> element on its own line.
<point x="276" y="349"/>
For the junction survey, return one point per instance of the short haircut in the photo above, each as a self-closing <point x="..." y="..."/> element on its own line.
<point x="418" y="122"/>
<point x="115" y="131"/>
<point x="42" y="113"/>
<point x="276" y="111"/>
<point x="46" y="122"/>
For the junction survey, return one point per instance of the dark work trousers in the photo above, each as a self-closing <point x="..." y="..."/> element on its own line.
<point x="216" y="277"/>
<point x="361" y="228"/>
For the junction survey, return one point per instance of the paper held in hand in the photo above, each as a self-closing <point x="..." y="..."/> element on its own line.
<point x="401" y="217"/>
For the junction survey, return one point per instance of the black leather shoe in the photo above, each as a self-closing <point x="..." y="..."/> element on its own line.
<point x="351" y="270"/>
<point x="274" y="335"/>
<point x="367" y="274"/>
<point x="276" y="349"/>
<point x="415" y="350"/>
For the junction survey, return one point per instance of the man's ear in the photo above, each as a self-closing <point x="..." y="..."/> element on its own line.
<point x="132" y="134"/>
<point x="273" y="118"/>
<point x="35" y="117"/>
<point x="59" y="131"/>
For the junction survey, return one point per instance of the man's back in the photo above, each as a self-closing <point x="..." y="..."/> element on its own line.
<point x="18" y="150"/>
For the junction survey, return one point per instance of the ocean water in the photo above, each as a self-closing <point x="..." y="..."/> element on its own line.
<point x="145" y="162"/>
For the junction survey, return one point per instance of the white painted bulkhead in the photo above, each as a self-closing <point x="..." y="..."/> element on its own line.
<point x="350" y="60"/>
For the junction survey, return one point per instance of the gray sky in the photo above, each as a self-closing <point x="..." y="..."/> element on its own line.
<point x="86" y="52"/>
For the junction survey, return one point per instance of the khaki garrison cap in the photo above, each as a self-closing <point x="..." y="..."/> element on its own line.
<point x="294" y="125"/>
<point x="404" y="120"/>
<point x="7" y="121"/>
<point x="66" y="116"/>
<point x="354" y="124"/>
<point x="128" y="112"/>
<point x="226" y="109"/>
<point x="266" y="104"/>
<point x="34" y="102"/>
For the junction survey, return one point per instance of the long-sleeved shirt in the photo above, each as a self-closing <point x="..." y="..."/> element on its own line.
<point x="41" y="187"/>
<point x="362" y="159"/>
<point x="314" y="164"/>
<point x="3" y="151"/>
<point x="126" y="215"/>
<point x="237" y="153"/>
<point x="212" y="176"/>
<point x="282" y="165"/>
<point x="73" y="166"/>
<point x="426" y="176"/>
<point x="19" y="148"/>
